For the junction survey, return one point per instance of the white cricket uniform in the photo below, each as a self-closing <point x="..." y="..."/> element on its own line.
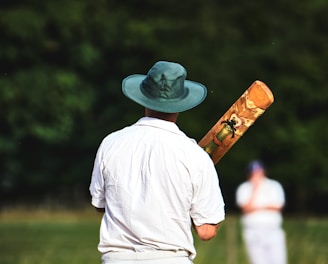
<point x="262" y="232"/>
<point x="152" y="180"/>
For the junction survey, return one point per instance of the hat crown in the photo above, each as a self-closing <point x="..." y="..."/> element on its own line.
<point x="165" y="81"/>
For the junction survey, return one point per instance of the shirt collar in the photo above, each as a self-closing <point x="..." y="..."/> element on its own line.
<point x="159" y="123"/>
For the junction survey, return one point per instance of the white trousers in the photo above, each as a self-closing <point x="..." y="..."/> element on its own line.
<point x="155" y="257"/>
<point x="265" y="245"/>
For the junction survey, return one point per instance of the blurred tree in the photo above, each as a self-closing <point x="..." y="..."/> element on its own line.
<point x="62" y="63"/>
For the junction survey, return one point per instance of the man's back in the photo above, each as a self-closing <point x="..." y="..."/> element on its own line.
<point x="152" y="181"/>
<point x="152" y="172"/>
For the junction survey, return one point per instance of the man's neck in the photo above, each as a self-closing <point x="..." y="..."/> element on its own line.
<point x="171" y="117"/>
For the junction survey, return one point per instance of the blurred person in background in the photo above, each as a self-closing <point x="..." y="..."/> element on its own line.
<point x="261" y="201"/>
<point x="152" y="182"/>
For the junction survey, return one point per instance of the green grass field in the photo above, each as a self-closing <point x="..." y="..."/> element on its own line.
<point x="32" y="237"/>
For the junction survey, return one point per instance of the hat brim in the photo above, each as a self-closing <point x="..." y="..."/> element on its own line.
<point x="196" y="94"/>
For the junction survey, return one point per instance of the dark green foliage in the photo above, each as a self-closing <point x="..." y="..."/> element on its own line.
<point x="62" y="63"/>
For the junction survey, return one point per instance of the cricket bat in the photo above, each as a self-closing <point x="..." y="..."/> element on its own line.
<point x="235" y="122"/>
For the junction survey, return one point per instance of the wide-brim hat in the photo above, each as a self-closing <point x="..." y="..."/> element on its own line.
<point x="164" y="88"/>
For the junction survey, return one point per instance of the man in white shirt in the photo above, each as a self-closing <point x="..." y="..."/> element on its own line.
<point x="152" y="182"/>
<point x="261" y="200"/>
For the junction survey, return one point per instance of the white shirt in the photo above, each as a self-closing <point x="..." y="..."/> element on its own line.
<point x="152" y="179"/>
<point x="270" y="193"/>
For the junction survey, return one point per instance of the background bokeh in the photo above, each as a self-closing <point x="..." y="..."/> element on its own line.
<point x="62" y="63"/>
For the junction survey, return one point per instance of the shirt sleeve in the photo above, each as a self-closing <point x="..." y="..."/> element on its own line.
<point x="279" y="198"/>
<point x="207" y="203"/>
<point x="97" y="186"/>
<point x="242" y="194"/>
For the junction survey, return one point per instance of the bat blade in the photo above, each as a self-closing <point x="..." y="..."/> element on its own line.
<point x="236" y="120"/>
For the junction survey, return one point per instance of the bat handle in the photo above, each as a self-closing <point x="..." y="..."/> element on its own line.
<point x="218" y="138"/>
<point x="210" y="147"/>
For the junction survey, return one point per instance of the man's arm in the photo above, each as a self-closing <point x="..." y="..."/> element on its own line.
<point x="250" y="205"/>
<point x="206" y="231"/>
<point x="250" y="208"/>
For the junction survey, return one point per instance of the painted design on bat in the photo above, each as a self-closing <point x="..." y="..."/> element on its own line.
<point x="236" y="121"/>
<point x="235" y="124"/>
<point x="229" y="127"/>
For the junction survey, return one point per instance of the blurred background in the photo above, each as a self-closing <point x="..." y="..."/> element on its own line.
<point x="62" y="63"/>
<point x="61" y="67"/>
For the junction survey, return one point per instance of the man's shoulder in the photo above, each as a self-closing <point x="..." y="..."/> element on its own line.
<point x="273" y="183"/>
<point x="116" y="134"/>
<point x="243" y="186"/>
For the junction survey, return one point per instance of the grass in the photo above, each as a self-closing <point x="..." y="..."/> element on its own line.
<point x="49" y="237"/>
<point x="307" y="240"/>
<point x="32" y="237"/>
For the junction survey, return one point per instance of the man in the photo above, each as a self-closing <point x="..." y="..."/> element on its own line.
<point x="152" y="181"/>
<point x="261" y="200"/>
